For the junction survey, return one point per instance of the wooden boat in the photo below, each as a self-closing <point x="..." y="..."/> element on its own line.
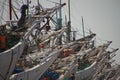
<point x="104" y="66"/>
<point x="14" y="49"/>
<point x="93" y="69"/>
<point x="67" y="65"/>
<point x="41" y="59"/>
<point x="42" y="62"/>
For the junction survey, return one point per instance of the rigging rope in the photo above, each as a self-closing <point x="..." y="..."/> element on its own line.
<point x="11" y="61"/>
<point x="2" y="10"/>
<point x="2" y="76"/>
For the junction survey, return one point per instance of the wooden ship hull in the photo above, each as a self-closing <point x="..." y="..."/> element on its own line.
<point x="8" y="60"/>
<point x="89" y="72"/>
<point x="10" y="56"/>
<point x="69" y="64"/>
<point x="45" y="62"/>
<point x="36" y="53"/>
<point x="36" y="71"/>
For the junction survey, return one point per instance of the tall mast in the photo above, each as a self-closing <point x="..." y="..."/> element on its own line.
<point x="56" y="12"/>
<point x="10" y="10"/>
<point x="59" y="21"/>
<point x="60" y="17"/>
<point x="28" y="7"/>
<point x="69" y="11"/>
<point x="69" y="22"/>
<point x="38" y="2"/>
<point x="83" y="27"/>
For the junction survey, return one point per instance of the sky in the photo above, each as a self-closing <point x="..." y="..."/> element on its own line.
<point x="100" y="16"/>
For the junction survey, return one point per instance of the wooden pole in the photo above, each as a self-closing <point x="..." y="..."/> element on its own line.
<point x="10" y="10"/>
<point x="69" y="22"/>
<point x="83" y="27"/>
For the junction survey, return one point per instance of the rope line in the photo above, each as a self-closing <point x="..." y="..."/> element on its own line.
<point x="2" y="76"/>
<point x="11" y="61"/>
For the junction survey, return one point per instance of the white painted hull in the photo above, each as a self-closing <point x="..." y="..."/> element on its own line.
<point x="86" y="73"/>
<point x="8" y="60"/>
<point x="71" y="69"/>
<point x="36" y="72"/>
<point x="79" y="75"/>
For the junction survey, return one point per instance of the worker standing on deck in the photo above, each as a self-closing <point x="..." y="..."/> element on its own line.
<point x="23" y="15"/>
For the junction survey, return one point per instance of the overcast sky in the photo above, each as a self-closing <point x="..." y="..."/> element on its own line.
<point x="101" y="16"/>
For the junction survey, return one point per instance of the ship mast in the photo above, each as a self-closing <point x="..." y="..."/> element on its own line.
<point x="59" y="21"/>
<point x="83" y="27"/>
<point x="60" y="17"/>
<point x="28" y="7"/>
<point x="69" y="22"/>
<point x="10" y="10"/>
